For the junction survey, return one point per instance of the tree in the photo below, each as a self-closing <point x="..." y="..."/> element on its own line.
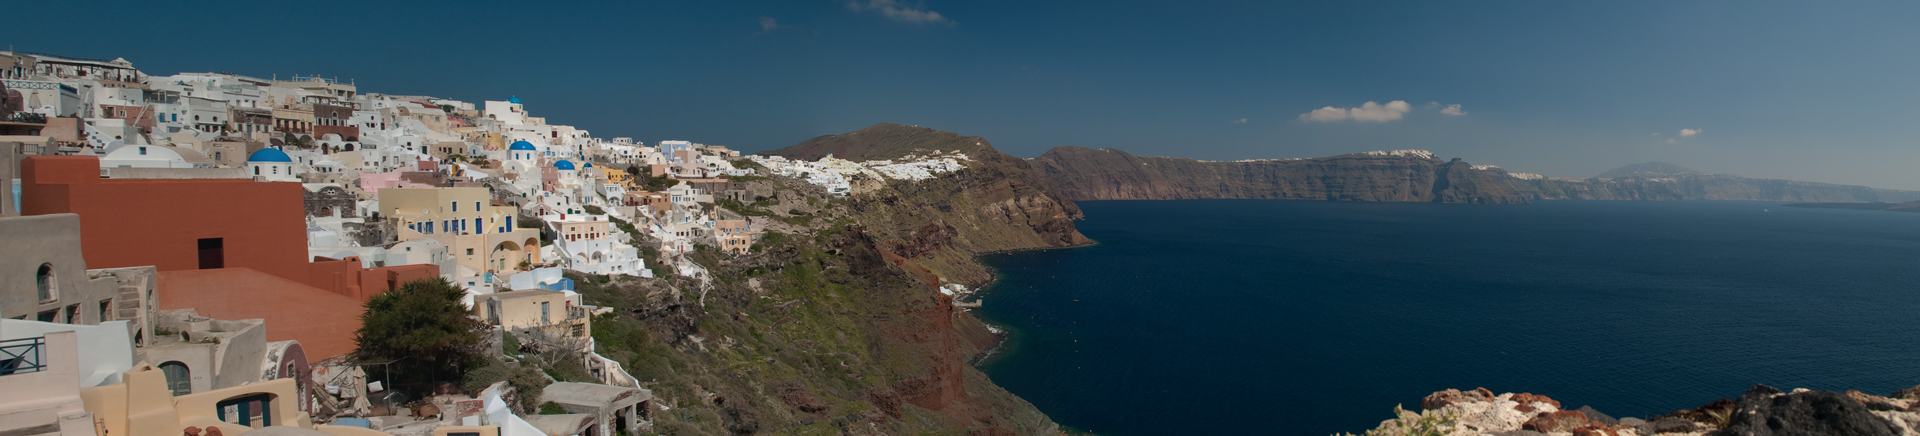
<point x="424" y="327"/>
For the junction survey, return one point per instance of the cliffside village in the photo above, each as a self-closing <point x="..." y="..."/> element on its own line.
<point x="194" y="252"/>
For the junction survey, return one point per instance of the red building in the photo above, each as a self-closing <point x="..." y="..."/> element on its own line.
<point x="180" y="225"/>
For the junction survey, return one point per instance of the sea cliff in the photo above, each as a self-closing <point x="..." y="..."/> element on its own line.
<point x="834" y="322"/>
<point x="1410" y="175"/>
<point x="1109" y="174"/>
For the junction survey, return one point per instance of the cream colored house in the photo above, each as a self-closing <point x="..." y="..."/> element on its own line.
<point x="477" y="234"/>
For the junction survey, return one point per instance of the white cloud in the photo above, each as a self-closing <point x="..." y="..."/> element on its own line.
<point x="768" y="24"/>
<point x="1240" y="121"/>
<point x="1671" y="140"/>
<point x="897" y="11"/>
<point x="1689" y="132"/>
<point x="1369" y="111"/>
<point x="1452" y="109"/>
<point x="1325" y="114"/>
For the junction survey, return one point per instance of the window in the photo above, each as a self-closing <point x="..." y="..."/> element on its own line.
<point x="544" y="319"/>
<point x="256" y="170"/>
<point x="456" y="205"/>
<point x="213" y="253"/>
<point x="73" y="314"/>
<point x="251" y="410"/>
<point x="106" y="310"/>
<point x="143" y="151"/>
<point x="469" y="251"/>
<point x="179" y="378"/>
<point x="45" y="281"/>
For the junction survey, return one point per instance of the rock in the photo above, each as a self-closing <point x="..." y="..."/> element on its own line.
<point x="1879" y="403"/>
<point x="1763" y="411"/>
<point x="1630" y="422"/>
<point x="1441" y="399"/>
<point x="1524" y="398"/>
<point x="1562" y="421"/>
<point x="1907" y="423"/>
<point x="1666" y="424"/>
<point x="1912" y="393"/>
<point x="1711" y="413"/>
<point x="1596" y="416"/>
<point x="1487" y="416"/>
<point x="1518" y="433"/>
<point x="1595" y="431"/>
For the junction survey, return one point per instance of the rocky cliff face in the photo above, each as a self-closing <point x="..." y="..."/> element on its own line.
<point x="1108" y="174"/>
<point x="1706" y="187"/>
<point x="938" y="226"/>
<point x="833" y="323"/>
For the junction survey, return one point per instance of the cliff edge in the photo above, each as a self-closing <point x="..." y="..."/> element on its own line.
<point x="1406" y="175"/>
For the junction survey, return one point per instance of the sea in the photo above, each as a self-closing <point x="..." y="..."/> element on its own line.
<point x="1255" y="317"/>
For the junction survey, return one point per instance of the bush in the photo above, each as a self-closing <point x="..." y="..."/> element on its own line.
<point x="424" y="329"/>
<point x="1427" y="423"/>
<point x="551" y="408"/>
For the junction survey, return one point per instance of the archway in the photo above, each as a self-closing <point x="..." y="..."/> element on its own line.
<point x="532" y="249"/>
<point x="179" y="377"/>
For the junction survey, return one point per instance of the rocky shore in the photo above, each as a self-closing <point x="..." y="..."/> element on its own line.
<point x="1761" y="411"/>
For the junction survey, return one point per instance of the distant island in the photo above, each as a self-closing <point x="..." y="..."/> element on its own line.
<point x="1407" y="175"/>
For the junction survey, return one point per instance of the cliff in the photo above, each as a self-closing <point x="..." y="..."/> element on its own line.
<point x="1666" y="182"/>
<point x="833" y="322"/>
<point x="996" y="203"/>
<point x="1109" y="174"/>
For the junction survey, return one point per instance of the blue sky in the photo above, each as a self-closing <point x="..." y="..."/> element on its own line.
<point x="1809" y="91"/>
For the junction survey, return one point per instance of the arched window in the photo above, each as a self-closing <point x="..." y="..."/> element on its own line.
<point x="45" y="281"/>
<point x="179" y="378"/>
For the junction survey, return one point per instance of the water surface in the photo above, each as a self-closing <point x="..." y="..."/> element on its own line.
<point x="1303" y="317"/>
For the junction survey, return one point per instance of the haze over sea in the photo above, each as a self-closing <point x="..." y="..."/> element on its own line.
<point x="1304" y="317"/>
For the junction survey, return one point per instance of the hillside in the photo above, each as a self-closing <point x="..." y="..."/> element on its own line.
<point x="997" y="203"/>
<point x="1109" y="174"/>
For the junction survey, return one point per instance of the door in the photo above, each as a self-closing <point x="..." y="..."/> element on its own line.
<point x="179" y="379"/>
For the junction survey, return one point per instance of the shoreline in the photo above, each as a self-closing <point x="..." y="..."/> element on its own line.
<point x="1002" y="338"/>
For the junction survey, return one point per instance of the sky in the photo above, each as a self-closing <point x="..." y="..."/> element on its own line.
<point x="1817" y="91"/>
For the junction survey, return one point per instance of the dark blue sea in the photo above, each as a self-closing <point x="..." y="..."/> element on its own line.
<point x="1306" y="317"/>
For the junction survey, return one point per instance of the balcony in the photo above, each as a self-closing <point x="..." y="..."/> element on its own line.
<point x="20" y="356"/>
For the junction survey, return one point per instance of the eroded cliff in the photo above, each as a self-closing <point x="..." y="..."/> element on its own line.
<point x="1109" y="174"/>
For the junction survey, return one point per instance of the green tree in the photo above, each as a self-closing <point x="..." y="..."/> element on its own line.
<point x="424" y="327"/>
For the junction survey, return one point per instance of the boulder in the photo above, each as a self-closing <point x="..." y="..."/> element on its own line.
<point x="1764" y="411"/>
<point x="1518" y="433"/>
<point x="1596" y="416"/>
<point x="1631" y="422"/>
<point x="1711" y="413"/>
<point x="1561" y="421"/>
<point x="1526" y="398"/>
<point x="1487" y="416"/>
<point x="1441" y="399"/>
<point x="1912" y="393"/>
<point x="1666" y="424"/>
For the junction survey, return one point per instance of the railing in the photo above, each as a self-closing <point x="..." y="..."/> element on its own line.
<point x="22" y="356"/>
<point x="28" y="117"/>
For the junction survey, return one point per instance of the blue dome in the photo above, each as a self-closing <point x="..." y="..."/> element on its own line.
<point x="269" y="155"/>
<point x="521" y="145"/>
<point x="563" y="165"/>
<point x="514" y="100"/>
<point x="587" y="164"/>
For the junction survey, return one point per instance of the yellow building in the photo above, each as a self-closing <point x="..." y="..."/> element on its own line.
<point x="535" y="309"/>
<point x="142" y="405"/>
<point x="479" y="235"/>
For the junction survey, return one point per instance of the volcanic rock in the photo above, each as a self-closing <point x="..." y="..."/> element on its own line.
<point x="1764" y="411"/>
